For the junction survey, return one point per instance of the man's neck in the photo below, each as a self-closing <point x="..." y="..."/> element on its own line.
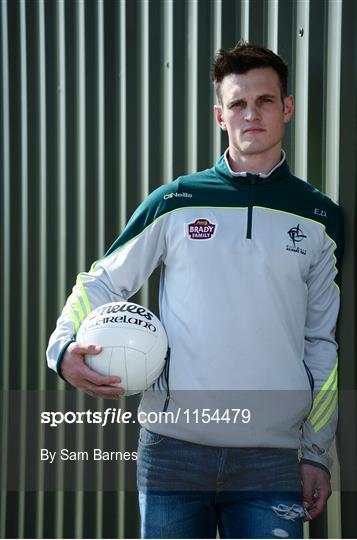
<point x="254" y="163"/>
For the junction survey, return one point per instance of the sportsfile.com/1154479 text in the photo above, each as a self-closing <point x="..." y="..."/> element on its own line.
<point x="112" y="415"/>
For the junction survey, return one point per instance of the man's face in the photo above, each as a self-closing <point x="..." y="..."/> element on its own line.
<point x="252" y="111"/>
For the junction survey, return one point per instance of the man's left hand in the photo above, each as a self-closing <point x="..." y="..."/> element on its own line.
<point x="316" y="489"/>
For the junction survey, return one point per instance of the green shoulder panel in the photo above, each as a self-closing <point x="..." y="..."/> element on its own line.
<point x="298" y="197"/>
<point x="191" y="190"/>
<point x="322" y="209"/>
<point x="146" y="213"/>
<point x="199" y="189"/>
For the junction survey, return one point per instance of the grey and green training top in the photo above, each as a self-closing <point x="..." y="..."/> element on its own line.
<point x="249" y="297"/>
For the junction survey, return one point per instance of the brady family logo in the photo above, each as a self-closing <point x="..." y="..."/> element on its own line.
<point x="201" y="229"/>
<point x="296" y="235"/>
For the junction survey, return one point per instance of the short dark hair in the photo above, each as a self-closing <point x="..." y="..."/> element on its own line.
<point x="244" y="57"/>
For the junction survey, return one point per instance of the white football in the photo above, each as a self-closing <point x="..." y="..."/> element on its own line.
<point x="133" y="340"/>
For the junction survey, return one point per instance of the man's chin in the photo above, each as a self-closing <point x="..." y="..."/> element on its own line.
<point x="251" y="149"/>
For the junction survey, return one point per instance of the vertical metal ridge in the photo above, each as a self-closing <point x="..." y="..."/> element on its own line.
<point x="42" y="233"/>
<point x="192" y="85"/>
<point x="61" y="152"/>
<point x="273" y="25"/>
<point x="24" y="267"/>
<point x="217" y="44"/>
<point x="145" y="98"/>
<point x="122" y="150"/>
<point x="99" y="491"/>
<point x="61" y="165"/>
<point x="144" y="115"/>
<point x="101" y="223"/>
<point x="82" y="234"/>
<point x="332" y="112"/>
<point x="24" y="194"/>
<point x="42" y="157"/>
<point x="100" y="123"/>
<point x="122" y="170"/>
<point x="302" y="87"/>
<point x="168" y="91"/>
<point x="6" y="194"/>
<point x="81" y="131"/>
<point x="244" y="21"/>
<point x="5" y="286"/>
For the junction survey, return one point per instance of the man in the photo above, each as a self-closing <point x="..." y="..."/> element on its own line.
<point x="249" y="298"/>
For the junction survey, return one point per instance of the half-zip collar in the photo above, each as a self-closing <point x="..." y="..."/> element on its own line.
<point x="223" y="170"/>
<point x="261" y="175"/>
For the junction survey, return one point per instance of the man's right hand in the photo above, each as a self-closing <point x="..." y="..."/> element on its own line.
<point x="75" y="371"/>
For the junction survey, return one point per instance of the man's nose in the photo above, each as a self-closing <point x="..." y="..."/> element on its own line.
<point x="251" y="112"/>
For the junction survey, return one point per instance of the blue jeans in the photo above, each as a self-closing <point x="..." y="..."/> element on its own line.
<point x="189" y="490"/>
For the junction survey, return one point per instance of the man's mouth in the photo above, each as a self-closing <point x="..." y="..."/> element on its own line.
<point x="253" y="130"/>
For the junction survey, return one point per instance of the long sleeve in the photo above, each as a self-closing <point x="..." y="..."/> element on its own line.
<point x="321" y="348"/>
<point x="115" y="277"/>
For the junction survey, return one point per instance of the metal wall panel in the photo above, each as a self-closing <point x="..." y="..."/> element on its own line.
<point x="347" y="433"/>
<point x="102" y="101"/>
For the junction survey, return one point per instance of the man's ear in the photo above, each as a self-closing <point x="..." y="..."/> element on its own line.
<point x="217" y="109"/>
<point x="288" y="108"/>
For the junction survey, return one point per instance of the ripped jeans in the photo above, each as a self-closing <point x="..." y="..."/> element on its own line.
<point x="189" y="490"/>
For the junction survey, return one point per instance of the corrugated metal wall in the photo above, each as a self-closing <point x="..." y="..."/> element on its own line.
<point x="101" y="101"/>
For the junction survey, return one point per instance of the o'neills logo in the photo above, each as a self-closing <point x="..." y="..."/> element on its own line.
<point x="201" y="229"/>
<point x="121" y="307"/>
<point x="125" y="319"/>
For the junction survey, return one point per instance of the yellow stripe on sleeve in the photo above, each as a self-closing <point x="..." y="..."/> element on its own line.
<point x="330" y="396"/>
<point x="75" y="320"/>
<point x="83" y="294"/>
<point x="328" y="414"/>
<point x="330" y="381"/>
